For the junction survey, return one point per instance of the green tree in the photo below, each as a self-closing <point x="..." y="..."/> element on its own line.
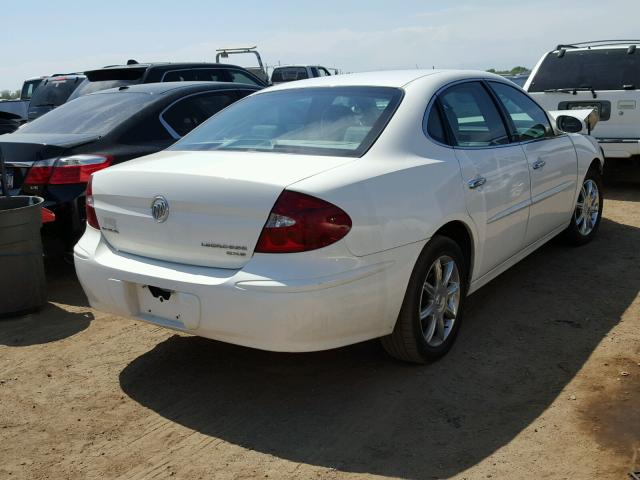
<point x="9" y="95"/>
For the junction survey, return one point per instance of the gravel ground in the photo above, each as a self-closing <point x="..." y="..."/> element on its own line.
<point x="544" y="382"/>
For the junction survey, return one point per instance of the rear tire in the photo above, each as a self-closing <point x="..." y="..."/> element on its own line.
<point x="587" y="214"/>
<point x="431" y="312"/>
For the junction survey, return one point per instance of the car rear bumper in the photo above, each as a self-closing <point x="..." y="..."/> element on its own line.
<point x="620" y="147"/>
<point x="305" y="303"/>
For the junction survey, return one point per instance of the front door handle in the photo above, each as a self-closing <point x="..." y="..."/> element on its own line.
<point x="538" y="164"/>
<point x="476" y="182"/>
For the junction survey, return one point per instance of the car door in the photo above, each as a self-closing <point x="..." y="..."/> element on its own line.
<point x="494" y="171"/>
<point x="552" y="159"/>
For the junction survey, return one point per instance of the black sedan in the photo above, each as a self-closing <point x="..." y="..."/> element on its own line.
<point x="54" y="156"/>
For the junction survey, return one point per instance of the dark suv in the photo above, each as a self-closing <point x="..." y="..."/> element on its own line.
<point x="134" y="73"/>
<point x="51" y="93"/>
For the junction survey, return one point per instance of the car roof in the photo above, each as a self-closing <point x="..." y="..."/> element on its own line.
<point x="296" y="65"/>
<point x="60" y="76"/>
<point x="172" y="87"/>
<point x="164" y="65"/>
<point x="384" y="78"/>
<point x="596" y="45"/>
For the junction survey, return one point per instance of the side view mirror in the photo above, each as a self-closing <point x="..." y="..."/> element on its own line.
<point x="569" y="124"/>
<point x="576" y="121"/>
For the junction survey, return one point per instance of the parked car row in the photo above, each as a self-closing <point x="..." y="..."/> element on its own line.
<point x="55" y="90"/>
<point x="42" y="95"/>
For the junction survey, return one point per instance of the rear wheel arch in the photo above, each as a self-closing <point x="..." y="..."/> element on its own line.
<point x="597" y="163"/>
<point x="460" y="233"/>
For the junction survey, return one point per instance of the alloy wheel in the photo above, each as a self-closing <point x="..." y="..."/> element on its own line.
<point x="439" y="300"/>
<point x="587" y="208"/>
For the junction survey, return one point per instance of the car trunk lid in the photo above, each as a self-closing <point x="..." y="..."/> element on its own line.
<point x="218" y="202"/>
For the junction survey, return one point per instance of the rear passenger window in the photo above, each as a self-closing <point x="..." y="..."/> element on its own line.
<point x="434" y="126"/>
<point x="196" y="75"/>
<point x="186" y="114"/>
<point x="179" y="76"/>
<point x="211" y="75"/>
<point x="472" y="116"/>
<point x="241" y="77"/>
<point x="529" y="120"/>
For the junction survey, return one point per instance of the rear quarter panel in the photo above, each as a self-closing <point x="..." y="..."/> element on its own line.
<point x="403" y="189"/>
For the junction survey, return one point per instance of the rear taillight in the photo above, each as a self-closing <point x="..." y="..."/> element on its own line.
<point x="299" y="222"/>
<point x="65" y="170"/>
<point x="90" y="211"/>
<point x="40" y="172"/>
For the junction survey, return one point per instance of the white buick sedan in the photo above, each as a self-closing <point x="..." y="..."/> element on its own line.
<point x="326" y="212"/>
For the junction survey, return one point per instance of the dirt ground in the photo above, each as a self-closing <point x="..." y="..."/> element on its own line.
<point x="544" y="382"/>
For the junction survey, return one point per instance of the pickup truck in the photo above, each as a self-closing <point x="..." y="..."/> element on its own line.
<point x="17" y="109"/>
<point x="290" y="73"/>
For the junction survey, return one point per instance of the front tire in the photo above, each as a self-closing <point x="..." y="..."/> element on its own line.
<point x="586" y="217"/>
<point x="431" y="312"/>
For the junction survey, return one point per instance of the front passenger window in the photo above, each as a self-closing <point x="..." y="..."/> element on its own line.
<point x="529" y="120"/>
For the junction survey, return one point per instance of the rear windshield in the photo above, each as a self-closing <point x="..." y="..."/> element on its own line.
<point x="54" y="92"/>
<point x="341" y="121"/>
<point x="600" y="69"/>
<point x="88" y="87"/>
<point x="97" y="114"/>
<point x="289" y="74"/>
<point x="124" y="73"/>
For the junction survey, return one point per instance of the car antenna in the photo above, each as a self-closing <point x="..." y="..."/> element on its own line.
<point x="131" y="61"/>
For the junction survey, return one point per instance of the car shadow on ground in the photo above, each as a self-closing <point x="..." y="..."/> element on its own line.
<point x="62" y="283"/>
<point x="353" y="409"/>
<point x="623" y="191"/>
<point x="50" y="323"/>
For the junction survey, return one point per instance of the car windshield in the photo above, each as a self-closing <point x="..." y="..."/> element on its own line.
<point x="600" y="69"/>
<point x="54" y="91"/>
<point x="88" y="87"/>
<point x="341" y="121"/>
<point x="98" y="113"/>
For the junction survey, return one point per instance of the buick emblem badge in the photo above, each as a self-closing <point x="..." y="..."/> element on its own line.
<point x="160" y="209"/>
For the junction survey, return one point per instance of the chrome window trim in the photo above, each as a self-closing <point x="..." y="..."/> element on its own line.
<point x="435" y="96"/>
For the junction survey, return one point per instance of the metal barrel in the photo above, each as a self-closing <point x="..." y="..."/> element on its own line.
<point x="22" y="278"/>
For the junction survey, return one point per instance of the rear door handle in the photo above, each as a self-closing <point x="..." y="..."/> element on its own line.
<point x="476" y="182"/>
<point x="538" y="164"/>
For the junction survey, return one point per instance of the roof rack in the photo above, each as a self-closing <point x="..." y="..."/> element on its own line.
<point x="597" y="43"/>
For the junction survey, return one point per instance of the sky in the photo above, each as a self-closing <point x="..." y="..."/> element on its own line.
<point x="353" y="35"/>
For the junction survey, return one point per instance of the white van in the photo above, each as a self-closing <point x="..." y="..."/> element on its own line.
<point x="604" y="75"/>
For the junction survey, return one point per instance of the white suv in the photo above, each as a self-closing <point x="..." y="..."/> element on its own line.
<point x="604" y="75"/>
